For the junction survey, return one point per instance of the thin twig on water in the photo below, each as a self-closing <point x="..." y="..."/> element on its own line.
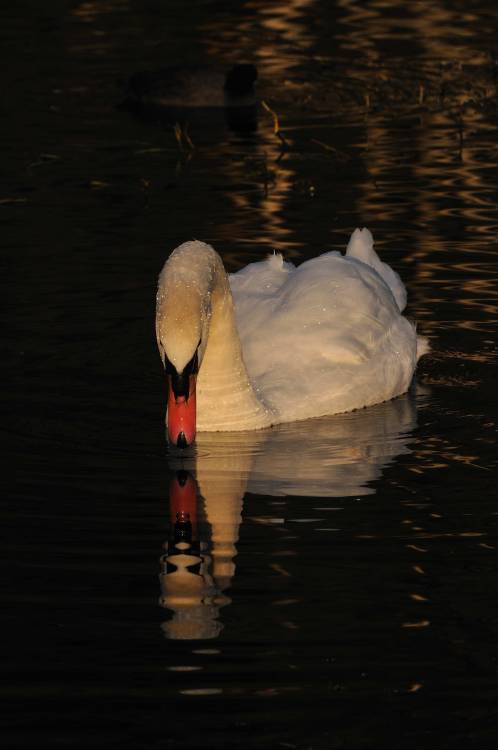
<point x="276" y="124"/>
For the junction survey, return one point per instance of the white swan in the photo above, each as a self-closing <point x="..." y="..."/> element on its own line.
<point x="274" y="343"/>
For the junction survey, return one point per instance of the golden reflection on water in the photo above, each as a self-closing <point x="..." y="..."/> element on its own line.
<point x="441" y="63"/>
<point x="450" y="187"/>
<point x="89" y="11"/>
<point x="271" y="33"/>
<point x="446" y="180"/>
<point x="278" y="179"/>
<point x="280" y="29"/>
<point x="363" y="57"/>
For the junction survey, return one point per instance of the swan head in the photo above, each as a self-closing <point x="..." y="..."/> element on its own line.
<point x="183" y="314"/>
<point x="182" y="339"/>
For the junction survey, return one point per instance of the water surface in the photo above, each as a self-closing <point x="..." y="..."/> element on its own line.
<point x="336" y="586"/>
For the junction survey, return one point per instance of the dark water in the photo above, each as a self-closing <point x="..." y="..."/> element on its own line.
<point x="336" y="584"/>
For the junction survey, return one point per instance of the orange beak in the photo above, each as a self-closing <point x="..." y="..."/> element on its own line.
<point x="181" y="415"/>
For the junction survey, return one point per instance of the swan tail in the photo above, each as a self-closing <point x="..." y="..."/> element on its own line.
<point x="361" y="247"/>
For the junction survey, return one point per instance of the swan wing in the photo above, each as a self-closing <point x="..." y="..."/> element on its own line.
<point x="324" y="337"/>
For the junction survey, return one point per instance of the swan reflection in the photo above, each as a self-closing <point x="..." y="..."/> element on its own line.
<point x="194" y="574"/>
<point x="336" y="456"/>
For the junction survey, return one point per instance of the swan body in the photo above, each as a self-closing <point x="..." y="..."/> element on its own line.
<point x="276" y="343"/>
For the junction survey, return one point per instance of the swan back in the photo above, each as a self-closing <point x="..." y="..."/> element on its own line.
<point x="327" y="336"/>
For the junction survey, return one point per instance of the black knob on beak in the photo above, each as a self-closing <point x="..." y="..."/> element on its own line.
<point x="181" y="441"/>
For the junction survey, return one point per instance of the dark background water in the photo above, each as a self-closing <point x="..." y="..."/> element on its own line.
<point x="362" y="609"/>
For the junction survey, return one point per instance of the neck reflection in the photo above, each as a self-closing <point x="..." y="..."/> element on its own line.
<point x="197" y="565"/>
